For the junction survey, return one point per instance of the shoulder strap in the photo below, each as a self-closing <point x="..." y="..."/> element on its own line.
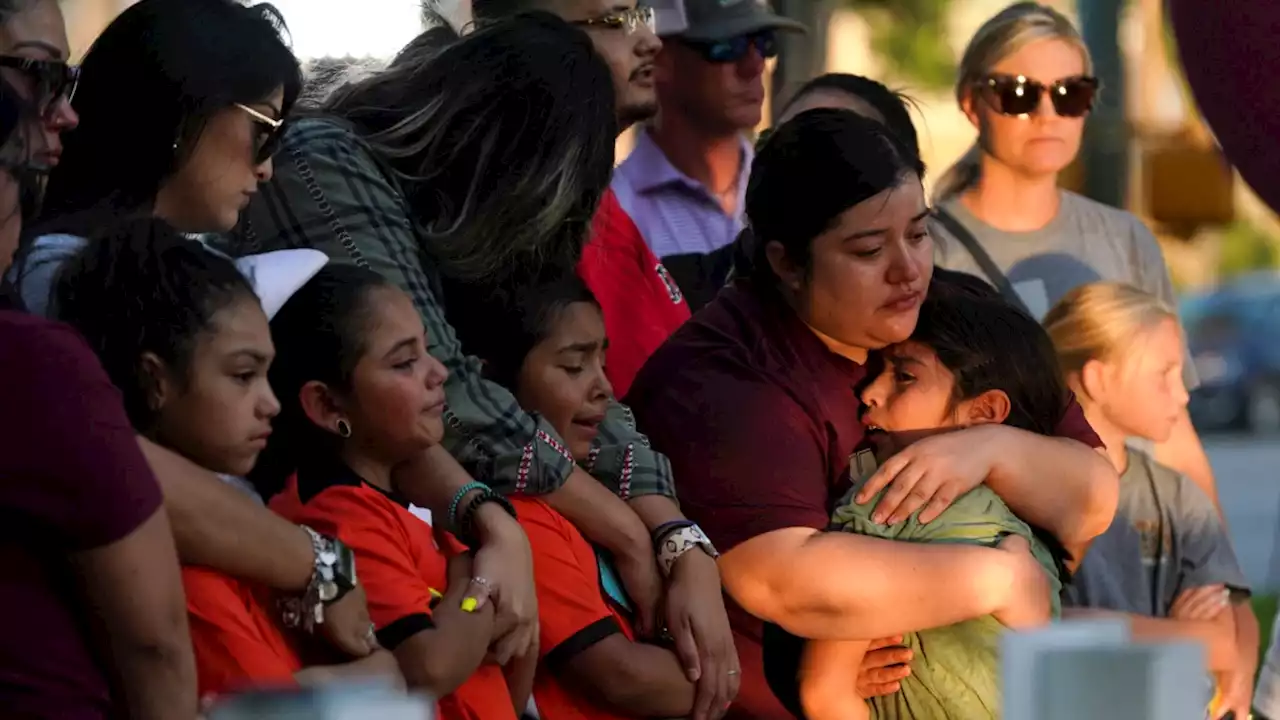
<point x="989" y="268"/>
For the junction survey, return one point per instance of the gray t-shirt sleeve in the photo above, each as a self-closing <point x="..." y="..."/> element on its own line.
<point x="1206" y="554"/>
<point x="1153" y="277"/>
<point x="35" y="273"/>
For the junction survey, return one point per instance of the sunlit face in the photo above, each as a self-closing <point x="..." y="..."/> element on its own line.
<point x="913" y="392"/>
<point x="1142" y="391"/>
<point x="869" y="271"/>
<point x="221" y="174"/>
<point x="628" y="46"/>
<point x="563" y="377"/>
<point x="1038" y="144"/>
<point x="218" y="413"/>
<point x="39" y="32"/>
<point x="720" y="97"/>
<point x="395" y="405"/>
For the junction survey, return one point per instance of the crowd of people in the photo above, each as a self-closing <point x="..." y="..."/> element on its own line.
<point x="399" y="379"/>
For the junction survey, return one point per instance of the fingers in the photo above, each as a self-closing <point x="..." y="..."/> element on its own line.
<point x="1014" y="544"/>
<point x="903" y="496"/>
<point x="870" y="691"/>
<point x="1201" y="603"/>
<point x="884" y="658"/>
<point x="941" y="500"/>
<point x="881" y="478"/>
<point x="884" y="643"/>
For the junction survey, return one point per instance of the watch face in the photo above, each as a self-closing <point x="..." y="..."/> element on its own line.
<point x="328" y="591"/>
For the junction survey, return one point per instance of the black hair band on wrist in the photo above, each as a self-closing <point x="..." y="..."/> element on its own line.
<point x="661" y="532"/>
<point x="466" y="525"/>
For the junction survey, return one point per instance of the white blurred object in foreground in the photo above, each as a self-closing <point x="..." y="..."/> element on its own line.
<point x="1093" y="669"/>
<point x="337" y="701"/>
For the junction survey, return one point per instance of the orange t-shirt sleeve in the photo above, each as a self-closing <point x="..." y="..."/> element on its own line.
<point x="386" y="563"/>
<point x="234" y="647"/>
<point x="572" y="612"/>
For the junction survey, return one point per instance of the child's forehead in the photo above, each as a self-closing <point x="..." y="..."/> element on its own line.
<point x="910" y="351"/>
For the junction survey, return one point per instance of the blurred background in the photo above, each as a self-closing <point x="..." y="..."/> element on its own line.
<point x="1146" y="150"/>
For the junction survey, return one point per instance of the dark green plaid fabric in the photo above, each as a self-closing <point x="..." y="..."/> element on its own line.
<point x="329" y="193"/>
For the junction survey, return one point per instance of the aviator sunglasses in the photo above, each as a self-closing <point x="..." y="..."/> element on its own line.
<point x="270" y="133"/>
<point x="53" y="80"/>
<point x="734" y="49"/>
<point x="1017" y="95"/>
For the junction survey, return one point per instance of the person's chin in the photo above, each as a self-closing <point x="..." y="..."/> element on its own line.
<point x="433" y="432"/>
<point x="640" y="107"/>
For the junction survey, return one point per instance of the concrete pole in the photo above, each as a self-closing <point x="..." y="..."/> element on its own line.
<point x="800" y="57"/>
<point x="1106" y="141"/>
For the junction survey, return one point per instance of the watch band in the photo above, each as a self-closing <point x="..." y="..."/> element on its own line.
<point x="333" y="575"/>
<point x="681" y="541"/>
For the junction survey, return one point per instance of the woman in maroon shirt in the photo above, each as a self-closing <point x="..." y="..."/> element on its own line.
<point x="754" y="402"/>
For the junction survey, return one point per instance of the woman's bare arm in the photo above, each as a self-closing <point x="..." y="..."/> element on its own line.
<point x="135" y="589"/>
<point x="883" y="587"/>
<point x="218" y="526"/>
<point x="1061" y="485"/>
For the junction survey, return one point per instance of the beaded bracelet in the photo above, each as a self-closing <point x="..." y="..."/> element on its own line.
<point x="457" y="500"/>
<point x="467" y="525"/>
<point x="661" y="532"/>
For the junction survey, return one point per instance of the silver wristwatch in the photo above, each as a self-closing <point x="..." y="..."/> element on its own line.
<point x="332" y="577"/>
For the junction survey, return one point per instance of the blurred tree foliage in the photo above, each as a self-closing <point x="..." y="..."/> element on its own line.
<point x="1246" y="247"/>
<point x="910" y="36"/>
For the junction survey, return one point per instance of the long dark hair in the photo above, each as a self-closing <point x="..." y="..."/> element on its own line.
<point x="141" y="287"/>
<point x="319" y="334"/>
<point x="817" y="165"/>
<point x="503" y="142"/>
<point x="148" y="86"/>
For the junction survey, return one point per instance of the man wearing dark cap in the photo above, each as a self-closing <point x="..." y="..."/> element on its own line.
<point x="684" y="182"/>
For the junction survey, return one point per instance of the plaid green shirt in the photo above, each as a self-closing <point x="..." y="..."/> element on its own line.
<point x="329" y="193"/>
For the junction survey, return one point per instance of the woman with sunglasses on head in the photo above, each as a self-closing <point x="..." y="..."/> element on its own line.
<point x="188" y="138"/>
<point x="1026" y="83"/>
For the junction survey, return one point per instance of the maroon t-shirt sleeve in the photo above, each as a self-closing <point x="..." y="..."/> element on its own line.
<point x="72" y="467"/>
<point x="1074" y="425"/>
<point x="746" y="458"/>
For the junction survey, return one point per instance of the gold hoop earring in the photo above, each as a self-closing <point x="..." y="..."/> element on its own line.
<point x="344" y="429"/>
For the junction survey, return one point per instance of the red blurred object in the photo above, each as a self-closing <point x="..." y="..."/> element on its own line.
<point x="1230" y="56"/>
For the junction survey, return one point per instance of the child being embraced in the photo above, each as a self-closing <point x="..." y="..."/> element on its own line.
<point x="360" y="396"/>
<point x="183" y="336"/>
<point x="971" y="360"/>
<point x="1166" y="563"/>
<point x="545" y="341"/>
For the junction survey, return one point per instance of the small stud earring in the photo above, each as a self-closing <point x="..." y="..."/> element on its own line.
<point x="344" y="429"/>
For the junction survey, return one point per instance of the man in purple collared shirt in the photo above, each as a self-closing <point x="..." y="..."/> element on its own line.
<point x="684" y="182"/>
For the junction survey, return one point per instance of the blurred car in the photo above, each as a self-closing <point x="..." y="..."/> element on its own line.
<point x="1233" y="335"/>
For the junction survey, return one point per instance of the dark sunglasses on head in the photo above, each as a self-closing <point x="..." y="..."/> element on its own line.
<point x="1016" y="95"/>
<point x="53" y="79"/>
<point x="271" y="131"/>
<point x="734" y="49"/>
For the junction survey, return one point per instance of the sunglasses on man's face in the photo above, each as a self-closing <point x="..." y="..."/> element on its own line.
<point x="734" y="49"/>
<point x="1017" y="95"/>
<point x="270" y="132"/>
<point x="52" y="80"/>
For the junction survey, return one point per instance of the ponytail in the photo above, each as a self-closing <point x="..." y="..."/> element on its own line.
<point x="142" y="288"/>
<point x="960" y="177"/>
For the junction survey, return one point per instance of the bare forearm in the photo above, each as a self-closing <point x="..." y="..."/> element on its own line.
<point x="642" y="681"/>
<point x="603" y="517"/>
<point x="520" y="681"/>
<point x="1058" y="484"/>
<point x="883" y="588"/>
<point x="1247" y="637"/>
<point x="1216" y="636"/>
<point x="219" y="527"/>
<point x="1184" y="452"/>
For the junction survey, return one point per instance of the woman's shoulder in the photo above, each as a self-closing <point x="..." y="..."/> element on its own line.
<point x="1116" y="222"/>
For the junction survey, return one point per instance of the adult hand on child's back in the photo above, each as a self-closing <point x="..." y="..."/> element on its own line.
<point x="884" y="666"/>
<point x="347" y="624"/>
<point x="1202" y="603"/>
<point x="1028" y="593"/>
<point x="929" y="474"/>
